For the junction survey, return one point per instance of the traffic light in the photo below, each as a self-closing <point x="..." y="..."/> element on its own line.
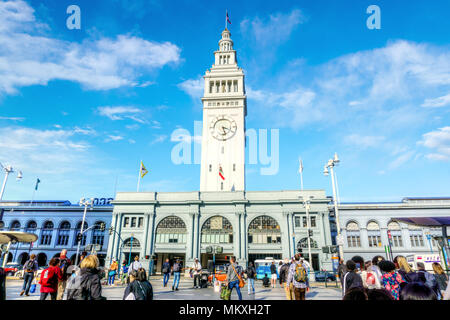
<point x="209" y="249"/>
<point x="326" y="249"/>
<point x="102" y="226"/>
<point x="310" y="232"/>
<point x="219" y="250"/>
<point x="333" y="249"/>
<point x="79" y="237"/>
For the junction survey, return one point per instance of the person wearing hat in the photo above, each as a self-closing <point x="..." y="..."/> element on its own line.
<point x="196" y="271"/>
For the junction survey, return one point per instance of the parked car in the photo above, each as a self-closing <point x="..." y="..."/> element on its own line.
<point x="322" y="276"/>
<point x="11" y="268"/>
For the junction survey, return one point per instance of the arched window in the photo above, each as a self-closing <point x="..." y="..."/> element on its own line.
<point x="171" y="230"/>
<point x="415" y="235"/>
<point x="15" y="226"/>
<point x="47" y="233"/>
<point x="98" y="236"/>
<point x="63" y="233"/>
<point x="77" y="231"/>
<point x="132" y="243"/>
<point x="217" y="229"/>
<point x="264" y="229"/>
<point x="396" y="234"/>
<point x="353" y="235"/>
<point x="303" y="244"/>
<point x="374" y="234"/>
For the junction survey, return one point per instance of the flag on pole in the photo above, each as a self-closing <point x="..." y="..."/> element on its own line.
<point x="143" y="170"/>
<point x="228" y="18"/>
<point x="221" y="173"/>
<point x="37" y="184"/>
<point x="300" y="168"/>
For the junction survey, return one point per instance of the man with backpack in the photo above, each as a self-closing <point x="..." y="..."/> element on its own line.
<point x="298" y="276"/>
<point x="49" y="280"/>
<point x="29" y="269"/>
<point x="176" y="269"/>
<point x="64" y="263"/>
<point x="166" y="272"/>
<point x="251" y="274"/>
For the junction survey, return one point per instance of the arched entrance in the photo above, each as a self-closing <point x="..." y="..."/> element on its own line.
<point x="170" y="241"/>
<point x="302" y="248"/>
<point x="23" y="257"/>
<point x="217" y="231"/>
<point x="264" y="238"/>
<point x="131" y="248"/>
<point x="42" y="259"/>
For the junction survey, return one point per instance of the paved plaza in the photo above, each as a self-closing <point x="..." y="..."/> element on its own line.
<point x="186" y="292"/>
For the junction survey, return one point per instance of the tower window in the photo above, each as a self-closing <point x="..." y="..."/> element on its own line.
<point x="221" y="186"/>
<point x="210" y="168"/>
<point x="223" y="149"/>
<point x="234" y="166"/>
<point x="235" y="86"/>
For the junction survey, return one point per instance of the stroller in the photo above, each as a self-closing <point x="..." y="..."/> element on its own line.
<point x="204" y="279"/>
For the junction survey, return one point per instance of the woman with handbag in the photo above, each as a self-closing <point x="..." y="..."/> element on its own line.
<point x="234" y="277"/>
<point x="112" y="272"/>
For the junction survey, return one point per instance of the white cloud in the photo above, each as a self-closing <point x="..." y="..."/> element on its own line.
<point x="439" y="142"/>
<point x="113" y="138"/>
<point x="437" y="102"/>
<point x="12" y="118"/>
<point x="122" y="112"/>
<point x="193" y="87"/>
<point x="403" y="158"/>
<point x="363" y="141"/>
<point x="30" y="58"/>
<point x="158" y="139"/>
<point x="276" y="30"/>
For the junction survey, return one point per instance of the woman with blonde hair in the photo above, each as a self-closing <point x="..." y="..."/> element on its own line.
<point x="441" y="277"/>
<point x="405" y="270"/>
<point x="90" y="287"/>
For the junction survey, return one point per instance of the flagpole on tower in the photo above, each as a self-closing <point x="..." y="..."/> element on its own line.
<point x="300" y="170"/>
<point x="139" y="178"/>
<point x="226" y="22"/>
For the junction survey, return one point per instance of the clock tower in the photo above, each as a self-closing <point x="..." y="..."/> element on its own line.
<point x="224" y="111"/>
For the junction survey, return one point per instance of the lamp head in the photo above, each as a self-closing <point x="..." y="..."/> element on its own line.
<point x="19" y="175"/>
<point x="336" y="159"/>
<point x="325" y="170"/>
<point x="81" y="201"/>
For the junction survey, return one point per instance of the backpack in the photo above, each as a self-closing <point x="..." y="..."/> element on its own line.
<point x="64" y="264"/>
<point x="176" y="267"/>
<point x="370" y="279"/>
<point x="300" y="273"/>
<point x="47" y="277"/>
<point x="250" y="272"/>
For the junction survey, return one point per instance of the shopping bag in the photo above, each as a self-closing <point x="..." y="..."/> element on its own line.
<point x="33" y="287"/>
<point x="225" y="293"/>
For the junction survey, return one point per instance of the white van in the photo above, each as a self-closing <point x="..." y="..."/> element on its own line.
<point x="426" y="259"/>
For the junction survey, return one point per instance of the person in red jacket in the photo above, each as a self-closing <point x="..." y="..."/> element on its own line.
<point x="49" y="280"/>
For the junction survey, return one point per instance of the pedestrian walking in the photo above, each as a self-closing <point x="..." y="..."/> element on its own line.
<point x="251" y="274"/>
<point x="139" y="287"/>
<point x="196" y="272"/>
<point x="341" y="271"/>
<point x="30" y="269"/>
<point x="50" y="278"/>
<point x="273" y="274"/>
<point x="298" y="276"/>
<point x="166" y="272"/>
<point x="112" y="272"/>
<point x="351" y="279"/>
<point x="64" y="263"/>
<point x="391" y="279"/>
<point x="284" y="272"/>
<point x="124" y="276"/>
<point x="441" y="277"/>
<point x="135" y="265"/>
<point x="89" y="281"/>
<point x="430" y="279"/>
<point x="234" y="277"/>
<point x="176" y="269"/>
<point x="369" y="278"/>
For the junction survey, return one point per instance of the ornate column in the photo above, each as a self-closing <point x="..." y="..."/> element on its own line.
<point x="286" y="234"/>
<point x="237" y="250"/>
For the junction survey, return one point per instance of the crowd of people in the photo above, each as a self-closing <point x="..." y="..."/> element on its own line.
<point x="65" y="280"/>
<point x="381" y="279"/>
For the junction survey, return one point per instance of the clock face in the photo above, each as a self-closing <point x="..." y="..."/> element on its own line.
<point x="223" y="128"/>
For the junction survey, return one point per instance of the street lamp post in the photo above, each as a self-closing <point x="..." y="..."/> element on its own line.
<point x="330" y="165"/>
<point x="84" y="203"/>
<point x="307" y="206"/>
<point x="8" y="170"/>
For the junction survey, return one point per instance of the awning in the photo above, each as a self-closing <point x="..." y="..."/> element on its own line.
<point x="425" y="222"/>
<point x="7" y="236"/>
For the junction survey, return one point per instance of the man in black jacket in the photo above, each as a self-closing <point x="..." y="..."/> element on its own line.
<point x="351" y="278"/>
<point x="284" y="271"/>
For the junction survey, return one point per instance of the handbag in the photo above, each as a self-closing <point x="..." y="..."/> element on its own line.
<point x="33" y="287"/>
<point x="241" y="282"/>
<point x="225" y="293"/>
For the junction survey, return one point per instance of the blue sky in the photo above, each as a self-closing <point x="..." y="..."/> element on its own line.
<point x="80" y="108"/>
